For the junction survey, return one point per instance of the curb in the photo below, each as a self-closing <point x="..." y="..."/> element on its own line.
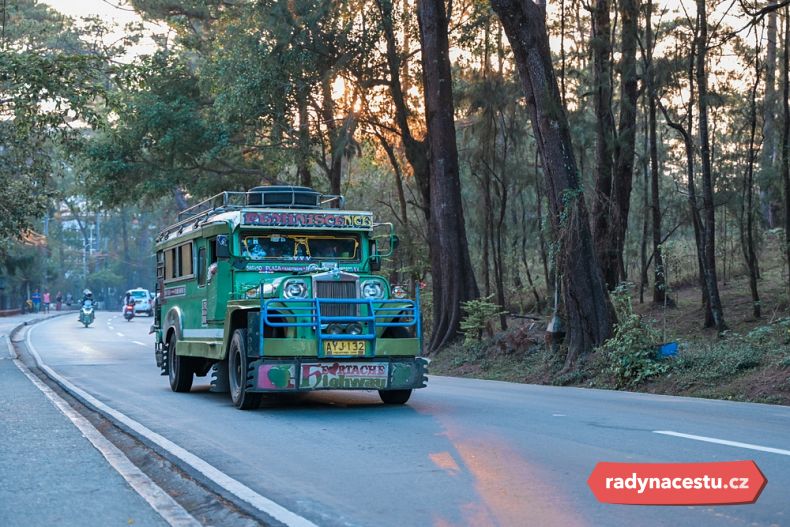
<point x="210" y="477"/>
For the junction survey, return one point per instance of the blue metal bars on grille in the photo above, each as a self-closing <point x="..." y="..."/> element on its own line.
<point x="371" y="316"/>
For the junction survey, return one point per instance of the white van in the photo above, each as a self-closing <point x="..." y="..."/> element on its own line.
<point x="142" y="301"/>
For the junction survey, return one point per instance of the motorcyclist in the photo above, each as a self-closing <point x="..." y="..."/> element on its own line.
<point x="86" y="295"/>
<point x="128" y="305"/>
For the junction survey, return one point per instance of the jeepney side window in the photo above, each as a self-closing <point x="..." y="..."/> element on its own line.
<point x="178" y="262"/>
<point x="186" y="259"/>
<point x="170" y="264"/>
<point x="201" y="267"/>
<point x="212" y="250"/>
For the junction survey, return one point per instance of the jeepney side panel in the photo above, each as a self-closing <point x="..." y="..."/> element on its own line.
<point x="172" y="322"/>
<point x="219" y="286"/>
<point x="182" y="297"/>
<point x="236" y="318"/>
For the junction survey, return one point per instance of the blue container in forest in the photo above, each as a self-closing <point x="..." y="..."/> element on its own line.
<point x="668" y="349"/>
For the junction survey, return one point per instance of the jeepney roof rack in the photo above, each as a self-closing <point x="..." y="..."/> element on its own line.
<point x="266" y="197"/>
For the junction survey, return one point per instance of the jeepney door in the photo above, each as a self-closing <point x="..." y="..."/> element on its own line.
<point x="218" y="279"/>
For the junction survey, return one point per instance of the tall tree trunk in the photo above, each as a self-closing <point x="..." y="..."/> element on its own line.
<point x="451" y="268"/>
<point x="692" y="190"/>
<point x="403" y="216"/>
<point x="751" y="257"/>
<point x="548" y="275"/>
<point x="603" y="228"/>
<point x="768" y="158"/>
<point x="503" y="135"/>
<point x="709" y="219"/>
<point x="587" y="304"/>
<point x="626" y="136"/>
<point x="416" y="150"/>
<point x="786" y="137"/>
<point x="336" y="140"/>
<point x="396" y="169"/>
<point x="645" y="208"/>
<point x="488" y="225"/>
<point x="524" y="258"/>
<point x="659" y="274"/>
<point x="303" y="161"/>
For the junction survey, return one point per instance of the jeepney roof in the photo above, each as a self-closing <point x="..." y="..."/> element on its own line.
<point x="279" y="219"/>
<point x="273" y="207"/>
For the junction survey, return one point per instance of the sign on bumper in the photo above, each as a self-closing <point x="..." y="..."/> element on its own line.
<point x="340" y="375"/>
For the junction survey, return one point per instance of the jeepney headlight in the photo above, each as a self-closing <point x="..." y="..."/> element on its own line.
<point x="354" y="329"/>
<point x="399" y="292"/>
<point x="253" y="292"/>
<point x="294" y="289"/>
<point x="372" y="289"/>
<point x="334" y="329"/>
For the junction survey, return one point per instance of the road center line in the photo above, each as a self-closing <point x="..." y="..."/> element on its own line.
<point x="173" y="513"/>
<point x="140" y="343"/>
<point x="235" y="487"/>
<point x="120" y="334"/>
<point x="726" y="442"/>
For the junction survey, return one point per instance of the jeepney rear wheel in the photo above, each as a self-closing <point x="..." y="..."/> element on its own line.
<point x="179" y="369"/>
<point x="238" y="368"/>
<point x="394" y="396"/>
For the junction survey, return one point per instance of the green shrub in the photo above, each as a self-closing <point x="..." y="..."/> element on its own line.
<point x="717" y="360"/>
<point x="479" y="313"/>
<point x="631" y="352"/>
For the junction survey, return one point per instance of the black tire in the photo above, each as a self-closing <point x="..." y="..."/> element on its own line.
<point x="396" y="332"/>
<point x="394" y="396"/>
<point x="179" y="369"/>
<point x="238" y="370"/>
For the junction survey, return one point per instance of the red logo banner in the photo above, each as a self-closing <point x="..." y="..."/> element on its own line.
<point x="715" y="483"/>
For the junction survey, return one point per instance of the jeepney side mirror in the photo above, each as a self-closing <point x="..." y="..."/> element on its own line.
<point x="223" y="246"/>
<point x="394" y="242"/>
<point x="375" y="258"/>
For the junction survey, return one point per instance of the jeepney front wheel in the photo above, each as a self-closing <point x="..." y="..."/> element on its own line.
<point x="179" y="369"/>
<point x="238" y="369"/>
<point x="394" y="396"/>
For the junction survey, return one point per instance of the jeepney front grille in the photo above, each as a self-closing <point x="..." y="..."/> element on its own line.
<point x="337" y="289"/>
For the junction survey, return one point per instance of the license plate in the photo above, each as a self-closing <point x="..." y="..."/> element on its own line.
<point x="344" y="347"/>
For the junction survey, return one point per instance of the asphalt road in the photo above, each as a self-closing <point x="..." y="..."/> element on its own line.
<point x="461" y="452"/>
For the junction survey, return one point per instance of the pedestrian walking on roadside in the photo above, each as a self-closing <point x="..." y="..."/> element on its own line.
<point x="58" y="301"/>
<point x="36" y="299"/>
<point x="46" y="300"/>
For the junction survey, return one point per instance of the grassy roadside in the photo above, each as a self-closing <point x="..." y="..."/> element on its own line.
<point x="750" y="362"/>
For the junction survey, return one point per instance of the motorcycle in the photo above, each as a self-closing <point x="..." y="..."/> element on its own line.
<point x="86" y="313"/>
<point x="128" y="311"/>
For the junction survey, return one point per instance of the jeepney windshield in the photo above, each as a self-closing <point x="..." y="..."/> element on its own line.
<point x="300" y="247"/>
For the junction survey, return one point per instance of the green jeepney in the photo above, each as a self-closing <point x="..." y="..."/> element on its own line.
<point x="275" y="292"/>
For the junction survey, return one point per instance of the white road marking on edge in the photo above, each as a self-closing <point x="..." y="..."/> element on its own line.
<point x="737" y="444"/>
<point x="173" y="513"/>
<point x="235" y="487"/>
<point x="11" y="352"/>
<point x="140" y="343"/>
<point x="120" y="334"/>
